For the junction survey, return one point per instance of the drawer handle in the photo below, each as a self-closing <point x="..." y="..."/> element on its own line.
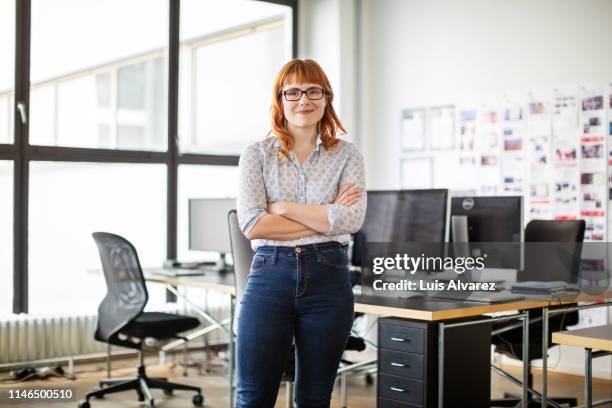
<point x="399" y="339"/>
<point x="399" y="365"/>
<point x="398" y="389"/>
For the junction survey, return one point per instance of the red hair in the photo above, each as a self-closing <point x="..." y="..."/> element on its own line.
<point x="302" y="71"/>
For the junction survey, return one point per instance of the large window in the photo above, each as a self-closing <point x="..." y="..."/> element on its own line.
<point x="229" y="56"/>
<point x="7" y="69"/>
<point x="102" y="145"/>
<point x="105" y="87"/>
<point x="68" y="202"/>
<point x="6" y="237"/>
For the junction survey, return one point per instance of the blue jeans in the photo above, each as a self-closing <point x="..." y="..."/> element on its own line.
<point x="302" y="293"/>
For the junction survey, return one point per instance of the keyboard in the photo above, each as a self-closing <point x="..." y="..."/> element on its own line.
<point x="482" y="297"/>
<point x="176" y="272"/>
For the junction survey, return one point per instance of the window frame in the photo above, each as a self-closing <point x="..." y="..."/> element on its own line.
<point x="21" y="153"/>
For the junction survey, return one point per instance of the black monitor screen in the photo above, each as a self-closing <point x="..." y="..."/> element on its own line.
<point x="494" y="227"/>
<point x="491" y="219"/>
<point x="403" y="216"/>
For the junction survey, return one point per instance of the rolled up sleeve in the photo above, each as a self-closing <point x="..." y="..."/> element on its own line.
<point x="251" y="202"/>
<point x="347" y="219"/>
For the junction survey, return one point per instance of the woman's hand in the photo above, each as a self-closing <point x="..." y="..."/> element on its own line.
<point x="349" y="194"/>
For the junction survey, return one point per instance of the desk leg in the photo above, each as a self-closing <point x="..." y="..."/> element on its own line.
<point x="544" y="357"/>
<point x="525" y="397"/>
<point x="108" y="360"/>
<point x="588" y="378"/>
<point x="231" y="352"/>
<point x="440" y="365"/>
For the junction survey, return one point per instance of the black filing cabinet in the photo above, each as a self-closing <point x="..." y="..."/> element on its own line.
<point x="408" y="365"/>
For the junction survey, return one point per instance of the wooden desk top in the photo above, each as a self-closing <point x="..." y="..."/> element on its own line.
<point x="221" y="282"/>
<point x="423" y="308"/>
<point x="419" y="308"/>
<point x="596" y="338"/>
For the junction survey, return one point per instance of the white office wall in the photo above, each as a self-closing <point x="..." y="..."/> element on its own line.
<point x="383" y="56"/>
<point x="418" y="52"/>
<point x="327" y="34"/>
<point x="434" y="52"/>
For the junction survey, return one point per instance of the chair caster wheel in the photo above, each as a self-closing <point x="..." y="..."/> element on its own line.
<point x="84" y="404"/>
<point x="369" y="379"/>
<point x="198" y="400"/>
<point x="168" y="392"/>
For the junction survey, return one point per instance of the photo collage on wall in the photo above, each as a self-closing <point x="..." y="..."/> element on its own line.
<point x="548" y="145"/>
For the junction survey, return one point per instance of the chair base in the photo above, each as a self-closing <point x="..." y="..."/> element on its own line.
<point x="142" y="384"/>
<point x="512" y="400"/>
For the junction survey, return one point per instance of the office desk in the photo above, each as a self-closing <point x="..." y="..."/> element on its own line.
<point x="593" y="338"/>
<point x="213" y="280"/>
<point x="439" y="311"/>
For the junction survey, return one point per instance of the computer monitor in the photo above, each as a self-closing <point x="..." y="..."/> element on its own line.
<point x="208" y="229"/>
<point x="404" y="216"/>
<point x="492" y="224"/>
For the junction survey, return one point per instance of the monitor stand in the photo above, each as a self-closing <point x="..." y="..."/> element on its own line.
<point x="221" y="266"/>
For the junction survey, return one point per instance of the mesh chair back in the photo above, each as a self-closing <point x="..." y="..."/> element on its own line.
<point x="126" y="294"/>
<point x="242" y="253"/>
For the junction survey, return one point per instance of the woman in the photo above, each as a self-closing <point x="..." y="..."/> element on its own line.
<point x="301" y="193"/>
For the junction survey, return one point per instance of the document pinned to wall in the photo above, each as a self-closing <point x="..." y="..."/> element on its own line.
<point x="513" y="125"/>
<point x="441" y="127"/>
<point x="467" y="129"/>
<point x="488" y="144"/>
<point x="593" y="163"/>
<point x="413" y="129"/>
<point x="565" y="147"/>
<point x="513" y="147"/>
<point x="565" y="194"/>
<point x="539" y="135"/>
<point x="565" y="113"/>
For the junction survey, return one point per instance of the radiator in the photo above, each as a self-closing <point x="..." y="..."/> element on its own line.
<point x="27" y="338"/>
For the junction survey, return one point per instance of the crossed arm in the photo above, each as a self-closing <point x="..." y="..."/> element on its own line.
<point x="287" y="220"/>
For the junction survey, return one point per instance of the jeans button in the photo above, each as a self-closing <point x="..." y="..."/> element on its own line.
<point x="298" y="250"/>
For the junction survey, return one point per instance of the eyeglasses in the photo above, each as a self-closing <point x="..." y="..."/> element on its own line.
<point x="313" y="94"/>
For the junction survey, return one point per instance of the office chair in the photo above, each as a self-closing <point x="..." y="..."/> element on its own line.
<point x="123" y="322"/>
<point x="507" y="337"/>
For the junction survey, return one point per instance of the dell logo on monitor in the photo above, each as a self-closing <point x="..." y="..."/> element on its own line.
<point x="467" y="204"/>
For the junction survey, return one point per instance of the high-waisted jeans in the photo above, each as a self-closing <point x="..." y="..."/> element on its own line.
<point x="300" y="294"/>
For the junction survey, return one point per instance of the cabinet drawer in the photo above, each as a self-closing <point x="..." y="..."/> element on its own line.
<point x="401" y="364"/>
<point x="401" y="389"/>
<point x="387" y="403"/>
<point x="401" y="338"/>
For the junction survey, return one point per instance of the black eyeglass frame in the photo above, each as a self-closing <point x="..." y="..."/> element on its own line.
<point x="323" y="93"/>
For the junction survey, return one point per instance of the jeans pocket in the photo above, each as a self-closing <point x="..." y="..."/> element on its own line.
<point x="335" y="259"/>
<point x="260" y="263"/>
